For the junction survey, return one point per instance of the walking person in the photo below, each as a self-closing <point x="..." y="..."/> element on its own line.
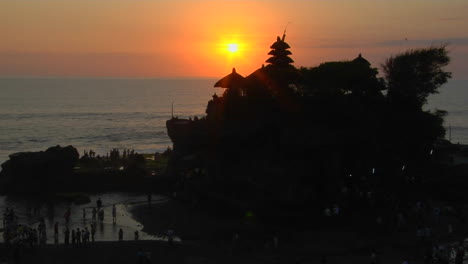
<point x="120" y="234"/>
<point x="67" y="215"/>
<point x="94" y="213"/>
<point x="78" y="236"/>
<point x="35" y="236"/>
<point x="85" y="235"/>
<point x="101" y="215"/>
<point x="93" y="231"/>
<point x="99" y="203"/>
<point x="114" y="214"/>
<point x="88" y="234"/>
<point x="43" y="235"/>
<point x="56" y="233"/>
<point x="66" y="236"/>
<point x="73" y="237"/>
<point x="41" y="228"/>
<point x="31" y="237"/>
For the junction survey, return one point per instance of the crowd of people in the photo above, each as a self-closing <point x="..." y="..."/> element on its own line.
<point x="18" y="235"/>
<point x="112" y="154"/>
<point x="30" y="235"/>
<point x="433" y="225"/>
<point x="78" y="237"/>
<point x="10" y="225"/>
<point x="13" y="232"/>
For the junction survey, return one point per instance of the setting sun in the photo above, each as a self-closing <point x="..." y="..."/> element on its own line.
<point x="232" y="47"/>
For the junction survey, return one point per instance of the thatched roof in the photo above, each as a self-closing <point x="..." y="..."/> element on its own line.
<point x="233" y="80"/>
<point x="361" y="59"/>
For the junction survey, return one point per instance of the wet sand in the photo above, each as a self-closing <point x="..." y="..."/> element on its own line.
<point x="30" y="212"/>
<point x="207" y="238"/>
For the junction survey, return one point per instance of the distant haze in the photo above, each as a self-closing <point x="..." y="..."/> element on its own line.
<point x="187" y="38"/>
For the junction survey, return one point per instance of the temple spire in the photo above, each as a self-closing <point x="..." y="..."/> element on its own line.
<point x="280" y="53"/>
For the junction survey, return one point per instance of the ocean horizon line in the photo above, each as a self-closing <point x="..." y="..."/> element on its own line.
<point x="132" y="78"/>
<point x="109" y="77"/>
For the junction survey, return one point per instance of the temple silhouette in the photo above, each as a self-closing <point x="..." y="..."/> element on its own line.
<point x="256" y="134"/>
<point x="288" y="135"/>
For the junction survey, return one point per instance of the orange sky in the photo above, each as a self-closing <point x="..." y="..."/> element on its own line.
<point x="131" y="38"/>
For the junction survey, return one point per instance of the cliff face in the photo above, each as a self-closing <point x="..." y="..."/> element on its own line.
<point x="188" y="135"/>
<point x="179" y="131"/>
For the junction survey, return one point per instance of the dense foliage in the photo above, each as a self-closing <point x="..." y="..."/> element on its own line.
<point x="414" y="75"/>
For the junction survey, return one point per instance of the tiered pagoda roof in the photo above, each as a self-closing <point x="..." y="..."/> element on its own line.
<point x="280" y="53"/>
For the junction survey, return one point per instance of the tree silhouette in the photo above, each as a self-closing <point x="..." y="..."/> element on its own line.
<point x="337" y="78"/>
<point x="413" y="75"/>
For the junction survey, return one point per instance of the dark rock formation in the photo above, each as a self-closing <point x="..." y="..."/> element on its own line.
<point x="38" y="171"/>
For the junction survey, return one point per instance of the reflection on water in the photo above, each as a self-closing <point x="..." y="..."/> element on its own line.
<point x="30" y="212"/>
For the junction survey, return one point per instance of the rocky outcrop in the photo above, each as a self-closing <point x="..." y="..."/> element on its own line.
<point x="40" y="171"/>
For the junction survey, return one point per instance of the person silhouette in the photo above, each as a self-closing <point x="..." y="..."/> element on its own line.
<point x="120" y="234"/>
<point x="114" y="214"/>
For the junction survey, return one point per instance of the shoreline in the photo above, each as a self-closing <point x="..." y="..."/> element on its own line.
<point x="338" y="243"/>
<point x="207" y="238"/>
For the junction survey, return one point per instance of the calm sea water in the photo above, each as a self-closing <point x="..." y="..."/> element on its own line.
<point x="102" y="114"/>
<point x="98" y="114"/>
<point x="453" y="98"/>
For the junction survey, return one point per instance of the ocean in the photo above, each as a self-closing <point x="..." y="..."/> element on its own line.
<point x="453" y="98"/>
<point x="97" y="114"/>
<point x="102" y="114"/>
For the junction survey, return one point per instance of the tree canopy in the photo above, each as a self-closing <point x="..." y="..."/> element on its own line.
<point x="340" y="78"/>
<point x="415" y="74"/>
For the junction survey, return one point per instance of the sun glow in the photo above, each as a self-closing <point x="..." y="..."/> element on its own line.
<point x="232" y="47"/>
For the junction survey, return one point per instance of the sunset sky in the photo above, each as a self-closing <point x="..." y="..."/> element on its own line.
<point x="107" y="38"/>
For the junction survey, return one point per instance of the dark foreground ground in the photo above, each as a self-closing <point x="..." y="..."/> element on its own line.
<point x="126" y="252"/>
<point x="208" y="238"/>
